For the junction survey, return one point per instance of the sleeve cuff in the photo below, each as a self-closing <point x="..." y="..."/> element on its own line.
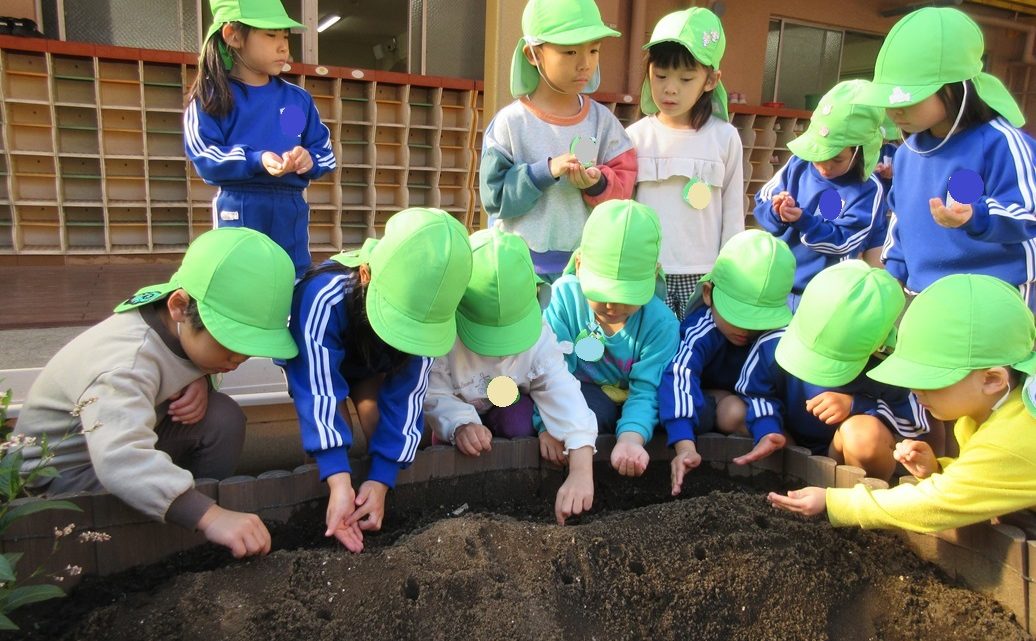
<point x="384" y="471"/>
<point x="188" y="508"/>
<point x="597" y="188"/>
<point x="645" y="432"/>
<point x="681" y="429"/>
<point x="763" y="426"/>
<point x="978" y="224"/>
<point x="255" y="161"/>
<point x="576" y="441"/>
<point x="332" y="461"/>
<point x="839" y="511"/>
<point x="540" y="174"/>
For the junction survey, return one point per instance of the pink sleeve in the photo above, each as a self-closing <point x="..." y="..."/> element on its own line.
<point x="621" y="174"/>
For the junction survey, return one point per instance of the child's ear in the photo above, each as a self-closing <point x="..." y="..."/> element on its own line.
<point x="231" y="36"/>
<point x="530" y="55"/>
<point x="176" y="303"/>
<point x="706" y="293"/>
<point x="713" y="80"/>
<point x="996" y="381"/>
<point x="365" y="274"/>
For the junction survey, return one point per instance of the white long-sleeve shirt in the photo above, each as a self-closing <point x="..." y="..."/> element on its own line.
<point x="458" y="381"/>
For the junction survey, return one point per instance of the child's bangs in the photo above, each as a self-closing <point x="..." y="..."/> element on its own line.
<point x="672" y="55"/>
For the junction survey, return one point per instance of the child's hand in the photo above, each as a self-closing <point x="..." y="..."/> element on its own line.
<point x="777" y="201"/>
<point x="576" y="494"/>
<point x="766" y="446"/>
<point x="583" y="177"/>
<point x="561" y="165"/>
<point x="830" y="407"/>
<point x="340" y="505"/>
<point x="472" y="439"/>
<point x="190" y="404"/>
<point x="687" y="458"/>
<point x="953" y="216"/>
<point x="274" y="164"/>
<point x="884" y="170"/>
<point x="552" y="449"/>
<point x="788" y="212"/>
<point x="370" y="506"/>
<point x="917" y="457"/>
<point x="301" y="159"/>
<point x="243" y="533"/>
<point x="629" y="457"/>
<point x="809" y="501"/>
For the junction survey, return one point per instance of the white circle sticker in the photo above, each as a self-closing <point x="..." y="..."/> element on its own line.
<point x="590" y="349"/>
<point x="585" y="150"/>
<point x="502" y="391"/>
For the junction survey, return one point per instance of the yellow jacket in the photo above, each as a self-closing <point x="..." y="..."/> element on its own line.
<point x="995" y="474"/>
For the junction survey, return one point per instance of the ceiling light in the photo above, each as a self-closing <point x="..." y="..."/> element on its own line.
<point x="328" y="22"/>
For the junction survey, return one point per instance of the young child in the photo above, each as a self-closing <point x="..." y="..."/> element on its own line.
<point x="844" y="322"/>
<point x="964" y="190"/>
<point x="745" y="294"/>
<point x="255" y="136"/>
<point x="826" y="199"/>
<point x="531" y="180"/>
<point x="368" y="324"/>
<point x="502" y="341"/>
<point x="966" y="349"/>
<point x="689" y="158"/>
<point x="126" y="405"/>
<point x="620" y="332"/>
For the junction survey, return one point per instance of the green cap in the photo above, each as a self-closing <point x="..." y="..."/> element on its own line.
<point x="242" y="282"/>
<point x="927" y="49"/>
<point x="700" y="32"/>
<point x="559" y="22"/>
<point x="499" y="314"/>
<point x="958" y="324"/>
<point x="419" y="271"/>
<point x="751" y="280"/>
<point x="847" y="312"/>
<point x="839" y="122"/>
<point x="261" y="14"/>
<point x="618" y="255"/>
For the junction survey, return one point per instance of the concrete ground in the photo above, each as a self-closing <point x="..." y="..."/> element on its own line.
<point x="21" y="348"/>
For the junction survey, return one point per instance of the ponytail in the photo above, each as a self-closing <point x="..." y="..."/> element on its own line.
<point x="212" y="85"/>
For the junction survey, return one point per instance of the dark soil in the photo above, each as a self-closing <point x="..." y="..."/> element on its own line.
<point x="718" y="564"/>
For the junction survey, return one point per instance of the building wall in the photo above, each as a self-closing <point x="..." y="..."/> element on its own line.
<point x="20" y="9"/>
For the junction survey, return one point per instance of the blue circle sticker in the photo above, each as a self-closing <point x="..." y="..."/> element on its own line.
<point x="830" y="204"/>
<point x="965" y="186"/>
<point x="293" y="121"/>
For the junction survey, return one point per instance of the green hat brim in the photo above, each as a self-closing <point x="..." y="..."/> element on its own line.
<point x="525" y="77"/>
<point x="805" y="363"/>
<point x="899" y="371"/>
<point x="245" y="339"/>
<point x="876" y="94"/>
<point x="495" y="340"/>
<point x="751" y="317"/>
<point x="420" y="338"/>
<point x="812" y="147"/>
<point x="609" y="290"/>
<point x="256" y="23"/>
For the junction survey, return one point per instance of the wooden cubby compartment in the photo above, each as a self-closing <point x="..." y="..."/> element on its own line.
<point x="29" y="128"/>
<point x="80" y="180"/>
<point x="355" y="227"/>
<point x="170" y="228"/>
<point x="38" y="227"/>
<point x="84" y="227"/>
<point x="77" y="130"/>
<point x="25" y="78"/>
<point x="35" y="178"/>
<point x="128" y="228"/>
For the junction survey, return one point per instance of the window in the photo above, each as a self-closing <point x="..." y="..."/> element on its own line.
<point x="804" y="61"/>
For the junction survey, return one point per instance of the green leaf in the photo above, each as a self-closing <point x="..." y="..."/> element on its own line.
<point x="7" y="624"/>
<point x="7" y="568"/>
<point x="33" y="507"/>
<point x="31" y="594"/>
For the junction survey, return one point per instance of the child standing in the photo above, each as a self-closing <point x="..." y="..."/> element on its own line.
<point x="255" y="136"/>
<point x="532" y="180"/>
<point x="621" y="333"/>
<point x="126" y="406"/>
<point x="689" y="158"/>
<point x="964" y="190"/>
<point x="368" y="324"/>
<point x="744" y="295"/>
<point x="502" y="341"/>
<point x="826" y="199"/>
<point x="965" y="348"/>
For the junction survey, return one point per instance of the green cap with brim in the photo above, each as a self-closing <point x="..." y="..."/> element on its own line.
<point x="927" y="49"/>
<point x="751" y="279"/>
<point x="242" y="282"/>
<point x="847" y="312"/>
<point x="701" y="33"/>
<point x="419" y="271"/>
<point x="839" y="122"/>
<point x="959" y="324"/>
<point x="618" y="255"/>
<point x="499" y="314"/>
<point x="559" y="22"/>
<point x="260" y="14"/>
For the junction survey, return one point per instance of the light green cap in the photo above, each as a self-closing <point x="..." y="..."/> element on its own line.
<point x="838" y="122"/>
<point x="847" y="312"/>
<point x="242" y="282"/>
<point x="927" y="49"/>
<point x="701" y="32"/>
<point x="559" y="22"/>
<point x="499" y="314"/>
<point x="958" y="324"/>
<point x="261" y="14"/>
<point x="618" y="255"/>
<point x="419" y="271"/>
<point x="751" y="280"/>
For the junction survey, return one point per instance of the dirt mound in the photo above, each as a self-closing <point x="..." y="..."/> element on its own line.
<point x="721" y="565"/>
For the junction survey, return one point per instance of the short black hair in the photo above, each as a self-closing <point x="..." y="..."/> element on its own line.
<point x="672" y="55"/>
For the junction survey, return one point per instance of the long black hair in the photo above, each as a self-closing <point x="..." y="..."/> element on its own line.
<point x="672" y="55"/>
<point x="212" y="84"/>
<point x="361" y="340"/>
<point x="976" y="111"/>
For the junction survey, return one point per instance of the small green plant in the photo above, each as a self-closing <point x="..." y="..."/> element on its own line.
<point x="13" y="483"/>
